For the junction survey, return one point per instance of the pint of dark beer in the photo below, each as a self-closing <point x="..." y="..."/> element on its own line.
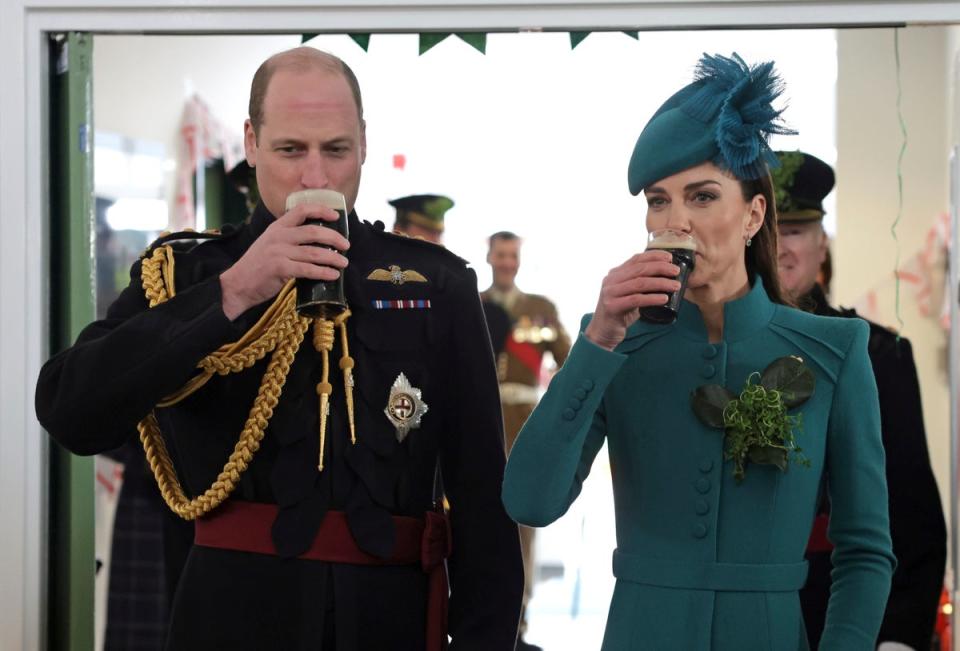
<point x="321" y="297"/>
<point x="683" y="248"/>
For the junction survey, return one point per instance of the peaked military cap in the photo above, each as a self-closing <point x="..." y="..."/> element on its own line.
<point x="425" y="210"/>
<point x="724" y="116"/>
<point x="242" y="175"/>
<point x="800" y="185"/>
<point x="244" y="179"/>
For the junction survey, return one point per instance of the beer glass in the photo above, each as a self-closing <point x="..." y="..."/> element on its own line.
<point x="321" y="298"/>
<point x="683" y="247"/>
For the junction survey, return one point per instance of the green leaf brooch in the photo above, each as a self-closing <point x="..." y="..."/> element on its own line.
<point x="758" y="428"/>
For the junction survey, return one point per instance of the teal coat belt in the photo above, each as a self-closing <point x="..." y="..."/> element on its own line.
<point x="736" y="577"/>
<point x="704" y="562"/>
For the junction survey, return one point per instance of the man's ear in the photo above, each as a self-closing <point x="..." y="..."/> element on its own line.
<point x="363" y="141"/>
<point x="250" y="143"/>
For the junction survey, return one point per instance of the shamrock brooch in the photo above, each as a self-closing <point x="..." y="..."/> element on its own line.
<point x="757" y="426"/>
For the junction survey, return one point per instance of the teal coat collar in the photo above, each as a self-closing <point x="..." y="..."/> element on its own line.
<point x="742" y="318"/>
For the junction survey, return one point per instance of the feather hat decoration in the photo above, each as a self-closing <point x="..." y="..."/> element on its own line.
<point x="725" y="116"/>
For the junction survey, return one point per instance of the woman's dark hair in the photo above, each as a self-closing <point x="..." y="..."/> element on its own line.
<point x="761" y="255"/>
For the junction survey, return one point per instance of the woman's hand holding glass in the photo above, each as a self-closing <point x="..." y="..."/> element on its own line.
<point x="645" y="279"/>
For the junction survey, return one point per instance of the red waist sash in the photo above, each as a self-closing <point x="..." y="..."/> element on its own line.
<point x="818" y="535"/>
<point x="245" y="527"/>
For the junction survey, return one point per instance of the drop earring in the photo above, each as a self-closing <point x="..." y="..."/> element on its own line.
<point x="749" y="241"/>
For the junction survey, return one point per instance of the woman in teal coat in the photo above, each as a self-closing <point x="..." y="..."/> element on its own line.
<point x="714" y="497"/>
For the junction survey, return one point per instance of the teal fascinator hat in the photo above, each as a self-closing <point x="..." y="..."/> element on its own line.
<point x="724" y="116"/>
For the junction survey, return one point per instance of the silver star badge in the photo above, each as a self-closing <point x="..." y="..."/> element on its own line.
<point x="405" y="407"/>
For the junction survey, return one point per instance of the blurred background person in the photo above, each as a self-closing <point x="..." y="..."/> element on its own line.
<point x="917" y="524"/>
<point x="535" y="330"/>
<point x="421" y="215"/>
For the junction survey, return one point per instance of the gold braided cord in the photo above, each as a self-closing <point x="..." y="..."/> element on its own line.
<point x="323" y="342"/>
<point x="156" y="275"/>
<point x="280" y="331"/>
<point x="346" y="365"/>
<point x="247" y="445"/>
<point x="275" y="325"/>
<point x="323" y="339"/>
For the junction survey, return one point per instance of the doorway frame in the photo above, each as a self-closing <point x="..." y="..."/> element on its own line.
<point x="24" y="172"/>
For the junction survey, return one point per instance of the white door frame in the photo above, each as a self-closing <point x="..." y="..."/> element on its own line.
<point x="24" y="205"/>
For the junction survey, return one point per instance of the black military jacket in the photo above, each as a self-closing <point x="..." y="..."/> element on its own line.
<point x="917" y="525"/>
<point x="90" y="397"/>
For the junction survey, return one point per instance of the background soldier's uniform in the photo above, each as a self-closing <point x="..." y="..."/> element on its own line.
<point x="535" y="329"/>
<point x="917" y="526"/>
<point x="148" y="551"/>
<point x="91" y="396"/>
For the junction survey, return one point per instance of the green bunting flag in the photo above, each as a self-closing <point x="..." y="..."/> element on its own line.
<point x="430" y="39"/>
<point x="363" y="40"/>
<point x="576" y="38"/>
<point x="477" y="40"/>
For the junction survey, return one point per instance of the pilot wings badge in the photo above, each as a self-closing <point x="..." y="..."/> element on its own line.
<point x="397" y="276"/>
<point x="405" y="407"/>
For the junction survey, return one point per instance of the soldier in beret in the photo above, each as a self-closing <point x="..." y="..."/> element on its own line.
<point x="309" y="450"/>
<point x="916" y="517"/>
<point x="421" y="215"/>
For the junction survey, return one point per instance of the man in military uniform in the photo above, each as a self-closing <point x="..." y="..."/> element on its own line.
<point x="320" y="531"/>
<point x="916" y="517"/>
<point x="535" y="330"/>
<point x="421" y="215"/>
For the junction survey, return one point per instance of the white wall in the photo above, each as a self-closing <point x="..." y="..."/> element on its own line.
<point x="141" y="84"/>
<point x="869" y="140"/>
<point x="953" y="82"/>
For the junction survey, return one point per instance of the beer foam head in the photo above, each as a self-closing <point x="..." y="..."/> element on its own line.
<point x="329" y="198"/>
<point x="671" y="240"/>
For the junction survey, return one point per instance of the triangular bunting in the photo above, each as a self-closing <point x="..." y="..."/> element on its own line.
<point x="430" y="39"/>
<point x="634" y="35"/>
<point x="363" y="40"/>
<point x="476" y="39"/>
<point x="306" y="37"/>
<point x="576" y="38"/>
